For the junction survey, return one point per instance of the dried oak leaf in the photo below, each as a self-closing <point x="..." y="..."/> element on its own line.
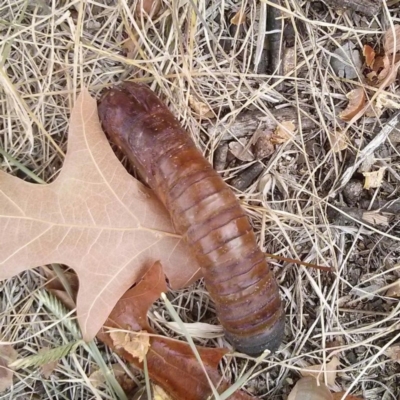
<point x="373" y="72"/>
<point x="319" y="371"/>
<point x="389" y="72"/>
<point x="171" y="364"/>
<point x="283" y="132"/>
<point x="310" y="388"/>
<point x="338" y="140"/>
<point x="137" y="344"/>
<point x="203" y="110"/>
<point x="374" y="179"/>
<point x="239" y="18"/>
<point x="357" y="102"/>
<point x="7" y="356"/>
<point x="98" y="379"/>
<point x="385" y="67"/>
<point x="149" y="7"/>
<point x="391" y="40"/>
<point x="241" y="151"/>
<point x="369" y="54"/>
<point x="346" y="61"/>
<point x="393" y="352"/>
<point x="95" y="218"/>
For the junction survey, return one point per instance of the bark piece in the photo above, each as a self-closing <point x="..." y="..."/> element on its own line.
<point x="249" y="121"/>
<point x="246" y="178"/>
<point x="367" y="7"/>
<point x="220" y="156"/>
<point x="392" y="207"/>
<point x="275" y="48"/>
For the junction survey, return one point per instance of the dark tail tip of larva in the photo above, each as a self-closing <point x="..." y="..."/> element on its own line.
<point x="254" y="345"/>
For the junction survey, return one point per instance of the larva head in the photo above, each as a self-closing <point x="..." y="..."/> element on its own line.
<point x="134" y="118"/>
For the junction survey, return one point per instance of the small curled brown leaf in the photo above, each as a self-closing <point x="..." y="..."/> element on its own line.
<point x="283" y="132"/>
<point x="369" y="54"/>
<point x="239" y="18"/>
<point x="388" y="74"/>
<point x="357" y="102"/>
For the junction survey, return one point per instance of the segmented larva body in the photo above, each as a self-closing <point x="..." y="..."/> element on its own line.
<point x="204" y="210"/>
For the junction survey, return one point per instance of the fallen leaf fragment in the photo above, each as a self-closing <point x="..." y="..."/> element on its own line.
<point x="373" y="111"/>
<point x="160" y="394"/>
<point x="338" y="140"/>
<point x="366" y="292"/>
<point x="367" y="164"/>
<point x="149" y="7"/>
<point x="394" y="290"/>
<point x="369" y="55"/>
<point x="130" y="48"/>
<point x="391" y="41"/>
<point x="357" y="102"/>
<point x="393" y="352"/>
<point x="376" y="218"/>
<point x="47" y="369"/>
<point x="346" y="61"/>
<point x="239" y="18"/>
<point x="309" y="388"/>
<point x="318" y="371"/>
<point x="374" y="179"/>
<point x="339" y="396"/>
<point x="7" y="356"/>
<point x="283" y="132"/>
<point x="241" y="151"/>
<point x="384" y="101"/>
<point x="54" y="286"/>
<point x="388" y="74"/>
<point x="95" y="218"/>
<point x="136" y="344"/>
<point x="375" y="71"/>
<point x="171" y="364"/>
<point x="203" y="110"/>
<point x="98" y="379"/>
<point x="381" y="102"/>
<point x="289" y="60"/>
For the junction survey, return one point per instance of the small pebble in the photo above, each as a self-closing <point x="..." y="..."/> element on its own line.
<point x="263" y="147"/>
<point x="353" y="191"/>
